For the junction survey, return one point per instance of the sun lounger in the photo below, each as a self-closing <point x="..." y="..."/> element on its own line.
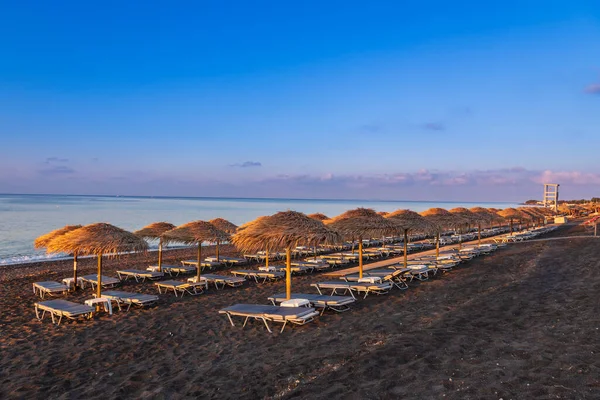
<point x="107" y="281"/>
<point x="394" y="276"/>
<point x="295" y="269"/>
<point x="49" y="288"/>
<point x="324" y="302"/>
<point x="191" y="288"/>
<point x="130" y="299"/>
<point x="221" y="281"/>
<point x="266" y="314"/>
<point x="173" y="270"/>
<point x="351" y="287"/>
<point x="314" y="265"/>
<point x="227" y="260"/>
<point x="259" y="276"/>
<point x="138" y="275"/>
<point x="205" y="264"/>
<point x="62" y="308"/>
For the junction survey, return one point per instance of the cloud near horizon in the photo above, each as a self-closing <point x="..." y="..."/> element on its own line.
<point x="593" y="88"/>
<point x="247" y="164"/>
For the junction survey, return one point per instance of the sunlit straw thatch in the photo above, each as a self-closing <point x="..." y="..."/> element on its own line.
<point x="411" y="221"/>
<point x="442" y="218"/>
<point x="224" y="225"/>
<point x="282" y="230"/>
<point x="195" y="232"/>
<point x="318" y="216"/>
<point x="154" y="230"/>
<point x="43" y="240"/>
<point x="99" y="238"/>
<point x="362" y="223"/>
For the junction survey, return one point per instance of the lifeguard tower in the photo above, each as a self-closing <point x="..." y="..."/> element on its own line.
<point x="551" y="196"/>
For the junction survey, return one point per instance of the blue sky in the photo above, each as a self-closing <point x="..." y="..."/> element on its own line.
<point x="426" y="100"/>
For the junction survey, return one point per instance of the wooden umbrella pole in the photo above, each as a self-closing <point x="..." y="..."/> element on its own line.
<point x="405" y="248"/>
<point x="99" y="284"/>
<point x="459" y="239"/>
<point x="288" y="273"/>
<point x="199" y="262"/>
<point x="75" y="271"/>
<point x="217" y="251"/>
<point x="511" y="227"/>
<point x="160" y="255"/>
<point x="437" y="246"/>
<point x="267" y="259"/>
<point x="360" y="258"/>
<point x="479" y="233"/>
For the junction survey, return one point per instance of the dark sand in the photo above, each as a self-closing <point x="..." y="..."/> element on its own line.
<point x="522" y="323"/>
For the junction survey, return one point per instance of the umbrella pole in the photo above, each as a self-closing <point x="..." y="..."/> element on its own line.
<point x="479" y="233"/>
<point x="459" y="239"/>
<point x="160" y="255"/>
<point x="288" y="273"/>
<point x="199" y="262"/>
<point x="75" y="271"/>
<point x="437" y="246"/>
<point x="511" y="227"/>
<point x="405" y="248"/>
<point x="267" y="259"/>
<point x="99" y="284"/>
<point x="360" y="258"/>
<point x="217" y="251"/>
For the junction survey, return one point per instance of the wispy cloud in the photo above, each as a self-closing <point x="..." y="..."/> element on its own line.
<point x="434" y="126"/>
<point x="247" y="164"/>
<point x="51" y="160"/>
<point x="593" y="88"/>
<point x="56" y="170"/>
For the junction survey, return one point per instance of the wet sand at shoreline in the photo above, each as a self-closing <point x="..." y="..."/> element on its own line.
<point x="521" y="323"/>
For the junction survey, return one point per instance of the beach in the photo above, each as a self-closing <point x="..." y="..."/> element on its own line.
<point x="523" y="322"/>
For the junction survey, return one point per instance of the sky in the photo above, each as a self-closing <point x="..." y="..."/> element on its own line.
<point x="411" y="100"/>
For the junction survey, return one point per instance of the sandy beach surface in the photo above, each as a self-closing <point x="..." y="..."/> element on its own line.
<point x="521" y="323"/>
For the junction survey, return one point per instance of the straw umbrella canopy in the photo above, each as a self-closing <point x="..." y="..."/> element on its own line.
<point x="318" y="216"/>
<point x="530" y="212"/>
<point x="155" y="231"/>
<point x="482" y="216"/>
<point x="511" y="214"/>
<point x="283" y="230"/>
<point x="195" y="232"/>
<point x="42" y="242"/>
<point x="383" y="213"/>
<point x="408" y="220"/>
<point x="98" y="239"/>
<point x="468" y="218"/>
<point x="441" y="219"/>
<point x="225" y="226"/>
<point x="362" y="223"/>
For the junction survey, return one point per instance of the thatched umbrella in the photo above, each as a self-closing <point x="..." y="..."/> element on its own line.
<point x="468" y="218"/>
<point x="97" y="239"/>
<point x="408" y="220"/>
<point x="283" y="231"/>
<point x="383" y="213"/>
<point x="441" y="219"/>
<point x="318" y="216"/>
<point x="195" y="232"/>
<point x="155" y="231"/>
<point x="42" y="242"/>
<point x="225" y="226"/>
<point x="362" y="223"/>
<point x="511" y="214"/>
<point x="482" y="216"/>
<point x="531" y="213"/>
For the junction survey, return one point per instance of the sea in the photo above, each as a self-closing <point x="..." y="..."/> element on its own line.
<point x="25" y="217"/>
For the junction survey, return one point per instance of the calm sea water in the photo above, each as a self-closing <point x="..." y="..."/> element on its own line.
<point x="25" y="217"/>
